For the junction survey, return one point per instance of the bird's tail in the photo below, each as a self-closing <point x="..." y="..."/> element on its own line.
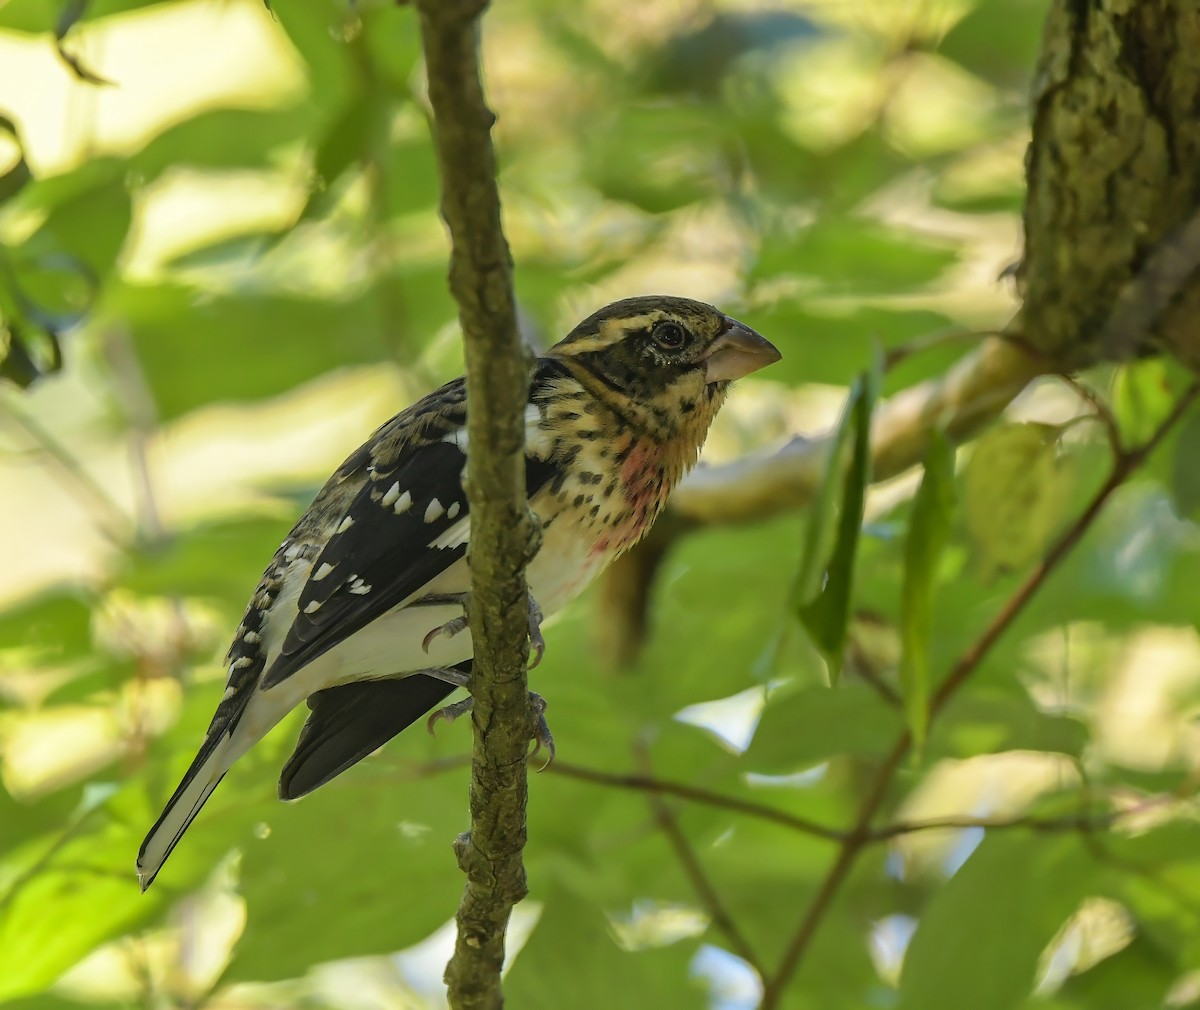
<point x="204" y="775"/>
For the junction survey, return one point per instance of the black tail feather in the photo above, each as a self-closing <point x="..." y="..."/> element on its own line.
<point x="350" y="721"/>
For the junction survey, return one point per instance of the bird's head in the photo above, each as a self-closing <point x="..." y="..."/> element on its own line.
<point x="661" y="362"/>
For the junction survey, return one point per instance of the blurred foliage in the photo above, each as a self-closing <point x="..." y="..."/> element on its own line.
<point x="221" y="270"/>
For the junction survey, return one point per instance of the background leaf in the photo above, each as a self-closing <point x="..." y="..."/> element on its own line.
<point x="1014" y="495"/>
<point x="928" y="531"/>
<point x="826" y="613"/>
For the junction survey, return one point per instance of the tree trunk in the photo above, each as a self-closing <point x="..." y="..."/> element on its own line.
<point x="1113" y="171"/>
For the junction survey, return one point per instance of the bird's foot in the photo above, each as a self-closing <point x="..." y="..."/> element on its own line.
<point x="451" y="627"/>
<point x="542" y="736"/>
<point x="537" y="644"/>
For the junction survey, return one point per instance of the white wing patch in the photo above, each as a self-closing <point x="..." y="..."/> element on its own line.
<point x="455" y="536"/>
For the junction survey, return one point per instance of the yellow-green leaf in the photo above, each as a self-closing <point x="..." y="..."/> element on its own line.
<point x="1014" y="495"/>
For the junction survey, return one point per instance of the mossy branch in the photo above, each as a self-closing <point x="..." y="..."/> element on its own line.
<point x="502" y="535"/>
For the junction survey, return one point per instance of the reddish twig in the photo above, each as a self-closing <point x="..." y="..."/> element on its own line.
<point x="688" y="860"/>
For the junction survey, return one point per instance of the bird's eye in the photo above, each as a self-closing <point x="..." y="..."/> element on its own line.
<point x="670" y="336"/>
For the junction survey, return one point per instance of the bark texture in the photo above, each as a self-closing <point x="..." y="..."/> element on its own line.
<point x="1113" y="172"/>
<point x="502" y="536"/>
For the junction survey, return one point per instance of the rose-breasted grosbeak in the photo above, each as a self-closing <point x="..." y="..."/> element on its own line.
<point x="348" y="612"/>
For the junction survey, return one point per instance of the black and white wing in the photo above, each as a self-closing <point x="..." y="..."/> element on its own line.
<point x="390" y="520"/>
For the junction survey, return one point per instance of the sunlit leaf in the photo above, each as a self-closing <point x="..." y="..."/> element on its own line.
<point x="70" y="12"/>
<point x="1015" y="493"/>
<point x="84" y="874"/>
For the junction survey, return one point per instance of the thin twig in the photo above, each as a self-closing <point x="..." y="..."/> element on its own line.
<point x="109" y="517"/>
<point x="1100" y="410"/>
<point x="704" y="797"/>
<point x="1081" y="822"/>
<point x="1039" y="825"/>
<point x="968" y="663"/>
<point x="688" y="860"/>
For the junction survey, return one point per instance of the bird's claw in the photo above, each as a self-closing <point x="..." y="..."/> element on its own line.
<point x="449" y="630"/>
<point x="449" y="713"/>
<point x="537" y="644"/>
<point x="542" y="737"/>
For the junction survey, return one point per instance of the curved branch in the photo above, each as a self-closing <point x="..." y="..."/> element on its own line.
<point x="971" y="394"/>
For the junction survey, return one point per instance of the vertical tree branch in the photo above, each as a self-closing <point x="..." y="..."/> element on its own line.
<point x="502" y="535"/>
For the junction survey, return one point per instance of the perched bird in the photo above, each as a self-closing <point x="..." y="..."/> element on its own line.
<point x="360" y="610"/>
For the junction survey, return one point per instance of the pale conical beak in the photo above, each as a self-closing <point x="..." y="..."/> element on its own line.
<point x="738" y="352"/>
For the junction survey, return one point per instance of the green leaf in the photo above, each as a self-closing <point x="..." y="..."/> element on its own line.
<point x="1156" y="875"/>
<point x="1015" y="494"/>
<point x="816" y="723"/>
<point x="981" y="937"/>
<point x="825" y="586"/>
<point x="18" y="174"/>
<point x="16" y="363"/>
<point x="208" y="560"/>
<point x="45" y="16"/>
<point x="853" y="255"/>
<point x="71" y="12"/>
<point x="928" y="531"/>
<point x="989" y="722"/>
<point x="374" y="858"/>
<point x="196" y="348"/>
<point x="1185" y="474"/>
<point x="573" y="957"/>
<point x="63" y="895"/>
<point x="224" y="139"/>
<point x="1140" y="975"/>
<point x="89" y="213"/>
<point x="55" y="627"/>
